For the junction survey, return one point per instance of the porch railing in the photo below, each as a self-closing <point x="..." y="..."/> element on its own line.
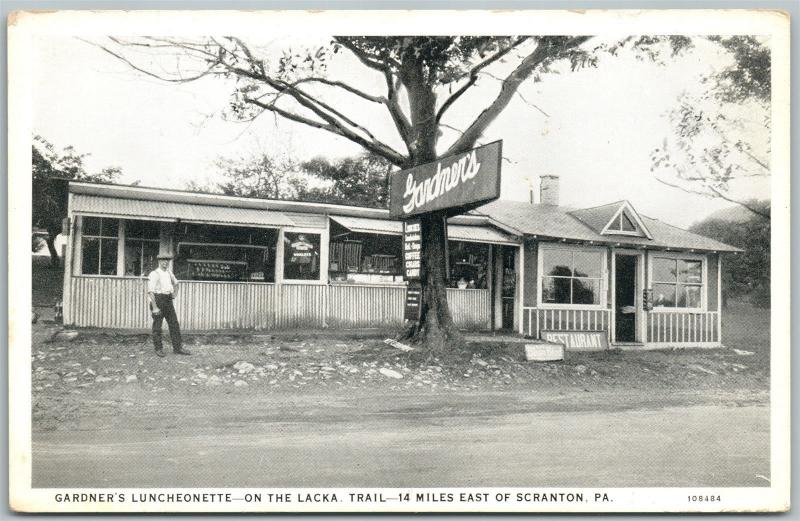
<point x="687" y="328"/>
<point x="537" y="320"/>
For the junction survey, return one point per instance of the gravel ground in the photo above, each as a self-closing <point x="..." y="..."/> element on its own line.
<point x="82" y="373"/>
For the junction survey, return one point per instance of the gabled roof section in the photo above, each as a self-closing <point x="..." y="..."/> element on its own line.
<point x="556" y="222"/>
<point x="618" y="218"/>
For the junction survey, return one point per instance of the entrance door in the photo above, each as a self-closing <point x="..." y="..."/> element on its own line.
<point x="509" y="287"/>
<point x="625" y="298"/>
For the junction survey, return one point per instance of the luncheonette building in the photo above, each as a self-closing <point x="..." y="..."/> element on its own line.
<point x="532" y="269"/>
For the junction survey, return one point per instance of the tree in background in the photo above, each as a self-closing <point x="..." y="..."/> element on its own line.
<point x="723" y="134"/>
<point x="51" y="170"/>
<point x="362" y="181"/>
<point x="258" y="176"/>
<point x="422" y="77"/>
<point x="747" y="274"/>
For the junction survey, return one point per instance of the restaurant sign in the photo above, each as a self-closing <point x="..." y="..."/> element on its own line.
<point x="412" y="250"/>
<point x="578" y="340"/>
<point x="458" y="182"/>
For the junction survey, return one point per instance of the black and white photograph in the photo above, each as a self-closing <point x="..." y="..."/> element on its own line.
<point x="385" y="261"/>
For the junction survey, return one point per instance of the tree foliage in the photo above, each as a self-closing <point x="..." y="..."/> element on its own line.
<point x="746" y="274"/>
<point x="361" y="180"/>
<point x="51" y="170"/>
<point x="722" y="134"/>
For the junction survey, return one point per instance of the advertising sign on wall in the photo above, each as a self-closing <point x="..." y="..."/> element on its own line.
<point x="458" y="182"/>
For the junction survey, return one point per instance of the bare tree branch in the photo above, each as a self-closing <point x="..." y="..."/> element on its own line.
<point x="548" y="48"/>
<point x="473" y="75"/>
<point x="716" y="193"/>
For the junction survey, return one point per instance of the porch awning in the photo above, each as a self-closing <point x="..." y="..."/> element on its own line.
<point x="367" y="225"/>
<point x="170" y="211"/>
<point x="458" y="232"/>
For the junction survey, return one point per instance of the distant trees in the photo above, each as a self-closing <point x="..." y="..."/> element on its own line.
<point x="361" y="180"/>
<point x="747" y="274"/>
<point x="51" y="170"/>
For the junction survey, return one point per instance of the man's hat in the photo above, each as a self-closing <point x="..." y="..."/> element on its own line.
<point x="166" y="256"/>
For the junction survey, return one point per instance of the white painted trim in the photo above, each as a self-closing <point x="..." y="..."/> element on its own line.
<point x="703" y="258"/>
<point x="604" y="275"/>
<point x="636" y="218"/>
<point x="66" y="300"/>
<point x="121" y="247"/>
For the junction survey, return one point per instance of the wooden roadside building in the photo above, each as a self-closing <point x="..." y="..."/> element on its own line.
<point x="271" y="264"/>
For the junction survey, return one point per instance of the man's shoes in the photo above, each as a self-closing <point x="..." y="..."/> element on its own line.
<point x="160" y="353"/>
<point x="182" y="351"/>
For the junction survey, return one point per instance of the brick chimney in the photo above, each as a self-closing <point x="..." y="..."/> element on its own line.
<point x="548" y="190"/>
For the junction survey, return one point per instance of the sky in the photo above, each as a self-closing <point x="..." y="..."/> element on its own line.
<point x="594" y="128"/>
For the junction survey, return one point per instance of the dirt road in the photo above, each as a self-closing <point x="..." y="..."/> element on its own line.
<point x="487" y="439"/>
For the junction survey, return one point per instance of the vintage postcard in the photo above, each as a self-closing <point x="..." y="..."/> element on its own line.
<point x="399" y="261"/>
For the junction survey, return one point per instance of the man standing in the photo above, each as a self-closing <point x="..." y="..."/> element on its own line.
<point x="162" y="288"/>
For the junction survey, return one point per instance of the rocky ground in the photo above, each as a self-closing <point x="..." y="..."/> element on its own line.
<point x="73" y="369"/>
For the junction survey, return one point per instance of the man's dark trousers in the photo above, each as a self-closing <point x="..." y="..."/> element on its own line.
<point x="164" y="303"/>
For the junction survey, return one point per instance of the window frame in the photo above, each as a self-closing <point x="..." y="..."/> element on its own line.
<point x="544" y="247"/>
<point x="123" y="224"/>
<point x="678" y="256"/>
<point x="322" y="278"/>
<point x="119" y="246"/>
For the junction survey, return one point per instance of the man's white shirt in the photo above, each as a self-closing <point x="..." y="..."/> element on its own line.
<point x="161" y="281"/>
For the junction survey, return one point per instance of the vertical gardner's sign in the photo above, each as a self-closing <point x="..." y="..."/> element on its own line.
<point x="412" y="250"/>
<point x="461" y="181"/>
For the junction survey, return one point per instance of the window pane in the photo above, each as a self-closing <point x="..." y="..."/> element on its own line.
<point x="110" y="227"/>
<point x="140" y="257"/>
<point x="556" y="290"/>
<point x="557" y="262"/>
<point x="91" y="225"/>
<point x="627" y="225"/>
<point x="301" y="256"/>
<point x="664" y="295"/>
<point x="664" y="270"/>
<point x="688" y="296"/>
<point x="585" y="291"/>
<point x="588" y="264"/>
<point x="90" y="256"/>
<point x="690" y="271"/>
<point x="108" y="257"/>
<point x="142" y="229"/>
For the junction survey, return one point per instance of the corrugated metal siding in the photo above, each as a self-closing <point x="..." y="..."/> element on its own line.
<point x="302" y="305"/>
<point x="122" y="303"/>
<point x="92" y="204"/>
<point x="226" y="305"/>
<point x="470" y="308"/>
<point x="365" y="306"/>
<point x="307" y="220"/>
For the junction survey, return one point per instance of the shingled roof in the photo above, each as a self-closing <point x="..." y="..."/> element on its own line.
<point x="558" y="222"/>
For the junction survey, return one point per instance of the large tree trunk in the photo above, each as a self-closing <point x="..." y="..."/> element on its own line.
<point x="51" y="246"/>
<point x="435" y="329"/>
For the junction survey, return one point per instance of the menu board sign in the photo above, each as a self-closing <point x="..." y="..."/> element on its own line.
<point x="412" y="250"/>
<point x="413" y="302"/>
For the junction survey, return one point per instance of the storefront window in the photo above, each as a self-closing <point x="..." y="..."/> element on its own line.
<point x="469" y="263"/>
<point x="225" y="253"/>
<point x="571" y="276"/>
<point x="372" y="255"/>
<point x="99" y="241"/>
<point x="677" y="283"/>
<point x="141" y="247"/>
<point x="301" y="256"/>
